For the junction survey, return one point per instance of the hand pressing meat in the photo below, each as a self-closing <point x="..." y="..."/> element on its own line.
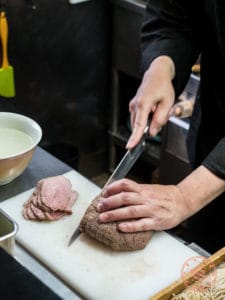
<point x="52" y="198"/>
<point x="109" y="234"/>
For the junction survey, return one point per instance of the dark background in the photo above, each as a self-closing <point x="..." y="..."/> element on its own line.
<point x="61" y="59"/>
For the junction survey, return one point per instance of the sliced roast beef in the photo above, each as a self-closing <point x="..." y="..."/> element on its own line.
<point x="55" y="193"/>
<point x="52" y="198"/>
<point x="39" y="214"/>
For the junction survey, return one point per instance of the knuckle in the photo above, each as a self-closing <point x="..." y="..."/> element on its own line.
<point x="140" y="104"/>
<point x="110" y="216"/>
<point x="138" y="124"/>
<point x="133" y="211"/>
<point x="125" y="198"/>
<point x="131" y="104"/>
<point x="125" y="184"/>
<point x="144" y="226"/>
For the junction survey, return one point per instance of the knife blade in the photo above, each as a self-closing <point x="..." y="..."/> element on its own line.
<point x="74" y="236"/>
<point x="128" y="159"/>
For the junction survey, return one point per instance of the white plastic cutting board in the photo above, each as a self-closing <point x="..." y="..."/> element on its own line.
<point x="91" y="268"/>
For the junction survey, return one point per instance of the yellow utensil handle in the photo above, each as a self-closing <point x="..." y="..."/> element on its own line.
<point x="4" y="38"/>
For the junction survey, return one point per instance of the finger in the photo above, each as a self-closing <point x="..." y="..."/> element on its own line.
<point x="177" y="110"/>
<point x="160" y="117"/>
<point x="139" y="127"/>
<point x="123" y="185"/>
<point x="132" y="105"/>
<point x="118" y="200"/>
<point x="132" y="112"/>
<point x="143" y="224"/>
<point x="172" y="112"/>
<point x="124" y="213"/>
<point x="154" y="108"/>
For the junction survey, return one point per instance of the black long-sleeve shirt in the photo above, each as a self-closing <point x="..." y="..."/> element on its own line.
<point x="183" y="30"/>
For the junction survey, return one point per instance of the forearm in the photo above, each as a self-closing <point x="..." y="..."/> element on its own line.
<point x="200" y="188"/>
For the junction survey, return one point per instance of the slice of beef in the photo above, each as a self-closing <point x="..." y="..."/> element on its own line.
<point x="108" y="233"/>
<point x="27" y="203"/>
<point x="39" y="214"/>
<point x="30" y="214"/>
<point x="24" y="213"/>
<point x="55" y="193"/>
<point x="73" y="198"/>
<point x="54" y="215"/>
<point x="26" y="206"/>
<point x="35" y="199"/>
<point x="52" y="198"/>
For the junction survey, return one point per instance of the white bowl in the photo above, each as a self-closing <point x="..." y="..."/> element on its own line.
<point x="19" y="136"/>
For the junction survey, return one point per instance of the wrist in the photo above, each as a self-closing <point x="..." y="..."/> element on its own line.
<point x="200" y="188"/>
<point x="184" y="209"/>
<point x="163" y="65"/>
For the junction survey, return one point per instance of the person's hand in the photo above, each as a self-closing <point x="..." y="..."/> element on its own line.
<point x="155" y="95"/>
<point x="143" y="207"/>
<point x="158" y="207"/>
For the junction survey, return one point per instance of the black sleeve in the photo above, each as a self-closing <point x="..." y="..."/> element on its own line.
<point x="170" y="27"/>
<point x="215" y="161"/>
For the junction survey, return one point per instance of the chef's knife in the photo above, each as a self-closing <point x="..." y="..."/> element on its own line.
<point x="122" y="169"/>
<point x="128" y="160"/>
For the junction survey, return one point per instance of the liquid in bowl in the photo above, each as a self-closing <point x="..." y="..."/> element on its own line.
<point x="13" y="141"/>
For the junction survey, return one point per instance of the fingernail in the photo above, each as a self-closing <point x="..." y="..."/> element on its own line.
<point x="130" y="143"/>
<point x="124" y="226"/>
<point x="103" y="217"/>
<point x="99" y="206"/>
<point x="104" y="193"/>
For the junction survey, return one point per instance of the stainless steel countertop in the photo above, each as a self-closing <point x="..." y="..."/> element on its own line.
<point x="42" y="165"/>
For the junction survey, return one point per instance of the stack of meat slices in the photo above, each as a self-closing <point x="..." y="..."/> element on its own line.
<point x="52" y="198"/>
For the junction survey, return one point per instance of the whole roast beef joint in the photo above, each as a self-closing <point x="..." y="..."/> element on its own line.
<point x="108" y="233"/>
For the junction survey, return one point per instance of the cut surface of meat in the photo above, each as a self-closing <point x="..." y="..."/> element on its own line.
<point x="55" y="193"/>
<point x="108" y="233"/>
<point x="52" y="199"/>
